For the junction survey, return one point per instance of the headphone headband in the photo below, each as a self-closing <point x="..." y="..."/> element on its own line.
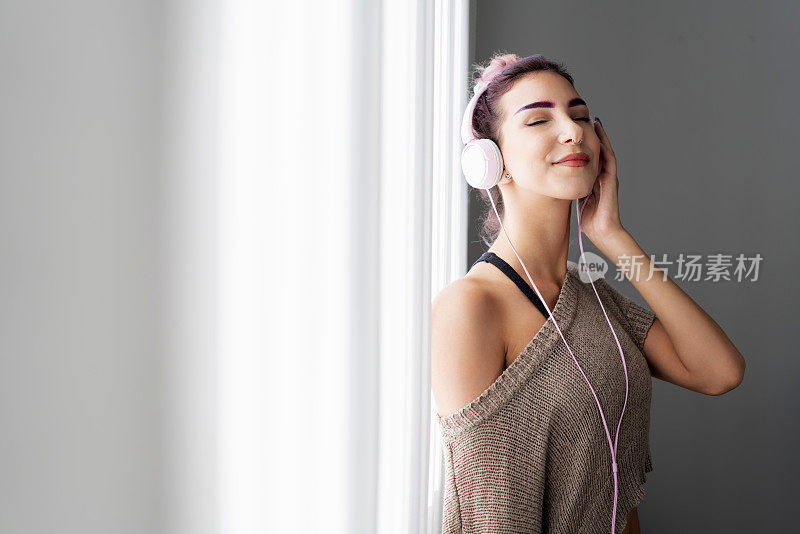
<point x="467" y="133"/>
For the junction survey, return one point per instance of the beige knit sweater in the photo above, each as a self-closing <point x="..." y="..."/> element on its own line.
<point x="530" y="454"/>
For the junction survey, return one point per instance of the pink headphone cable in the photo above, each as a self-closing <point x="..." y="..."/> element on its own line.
<point x="614" y="467"/>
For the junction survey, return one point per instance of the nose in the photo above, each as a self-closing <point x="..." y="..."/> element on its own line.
<point x="573" y="132"/>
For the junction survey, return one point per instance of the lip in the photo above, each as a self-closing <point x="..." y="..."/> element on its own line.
<point x="575" y="156"/>
<point x="573" y="163"/>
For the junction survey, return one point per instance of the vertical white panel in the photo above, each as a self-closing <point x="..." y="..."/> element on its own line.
<point x="449" y="193"/>
<point x="188" y="214"/>
<point x="406" y="167"/>
<point x="284" y="263"/>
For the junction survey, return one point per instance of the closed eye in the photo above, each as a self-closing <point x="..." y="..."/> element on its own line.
<point x="577" y="119"/>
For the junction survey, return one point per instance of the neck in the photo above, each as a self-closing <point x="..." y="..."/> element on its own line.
<point x="539" y="229"/>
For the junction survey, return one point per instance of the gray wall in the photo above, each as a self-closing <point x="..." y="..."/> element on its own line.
<point x="81" y="443"/>
<point x="673" y="81"/>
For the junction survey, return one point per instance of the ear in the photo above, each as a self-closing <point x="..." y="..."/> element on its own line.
<point x="506" y="178"/>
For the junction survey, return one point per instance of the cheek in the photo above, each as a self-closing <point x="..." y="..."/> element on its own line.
<point x="596" y="145"/>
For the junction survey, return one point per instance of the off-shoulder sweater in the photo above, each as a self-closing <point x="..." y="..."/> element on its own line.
<point x="530" y="453"/>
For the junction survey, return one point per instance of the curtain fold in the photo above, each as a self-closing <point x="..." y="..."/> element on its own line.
<point x="449" y="212"/>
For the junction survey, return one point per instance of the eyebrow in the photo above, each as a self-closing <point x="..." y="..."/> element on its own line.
<point x="548" y="104"/>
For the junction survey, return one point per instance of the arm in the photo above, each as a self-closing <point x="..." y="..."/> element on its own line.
<point x="685" y="346"/>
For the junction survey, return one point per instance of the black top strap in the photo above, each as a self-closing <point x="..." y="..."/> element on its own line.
<point x="509" y="271"/>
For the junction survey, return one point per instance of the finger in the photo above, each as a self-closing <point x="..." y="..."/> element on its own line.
<point x="601" y="133"/>
<point x="601" y="159"/>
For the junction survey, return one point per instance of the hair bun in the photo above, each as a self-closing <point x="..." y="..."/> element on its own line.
<point x="494" y="68"/>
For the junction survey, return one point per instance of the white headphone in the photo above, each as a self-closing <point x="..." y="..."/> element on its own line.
<point x="481" y="160"/>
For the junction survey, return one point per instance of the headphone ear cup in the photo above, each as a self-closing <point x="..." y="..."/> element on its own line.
<point x="482" y="163"/>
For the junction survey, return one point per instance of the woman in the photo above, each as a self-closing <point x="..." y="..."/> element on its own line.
<point x="532" y="441"/>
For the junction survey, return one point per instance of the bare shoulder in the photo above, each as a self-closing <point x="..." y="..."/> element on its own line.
<point x="467" y="346"/>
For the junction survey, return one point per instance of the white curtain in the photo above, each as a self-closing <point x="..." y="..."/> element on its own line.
<point x="308" y="142"/>
<point x="449" y="195"/>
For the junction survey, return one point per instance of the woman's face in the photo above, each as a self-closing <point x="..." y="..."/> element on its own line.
<point x="533" y="138"/>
